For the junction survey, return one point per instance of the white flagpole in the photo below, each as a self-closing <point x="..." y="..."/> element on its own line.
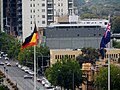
<point x="34" y="67"/>
<point x="109" y="62"/>
<point x="109" y="68"/>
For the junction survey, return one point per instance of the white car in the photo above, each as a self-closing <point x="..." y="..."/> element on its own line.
<point x="31" y="72"/>
<point x="24" y="67"/>
<point x="6" y="58"/>
<point x="1" y="63"/>
<point x="9" y="64"/>
<point x="28" y="76"/>
<point x="19" y="66"/>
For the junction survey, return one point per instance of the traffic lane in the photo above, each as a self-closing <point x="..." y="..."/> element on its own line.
<point x="17" y="75"/>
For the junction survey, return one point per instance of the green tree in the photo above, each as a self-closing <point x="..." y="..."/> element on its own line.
<point x="9" y="44"/>
<point x="63" y="72"/>
<point x="116" y="24"/>
<point x="101" y="80"/>
<point x="26" y="55"/>
<point x="89" y="16"/>
<point x="89" y="55"/>
<point x="2" y="87"/>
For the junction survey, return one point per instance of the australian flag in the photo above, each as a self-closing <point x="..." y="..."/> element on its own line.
<point x="105" y="40"/>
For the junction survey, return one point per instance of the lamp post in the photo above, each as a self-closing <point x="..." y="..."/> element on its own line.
<point x="73" y="80"/>
<point x="42" y="64"/>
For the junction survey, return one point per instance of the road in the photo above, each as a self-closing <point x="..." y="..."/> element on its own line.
<point x="17" y="76"/>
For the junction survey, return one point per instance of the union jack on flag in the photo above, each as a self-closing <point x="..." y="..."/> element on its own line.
<point x="105" y="40"/>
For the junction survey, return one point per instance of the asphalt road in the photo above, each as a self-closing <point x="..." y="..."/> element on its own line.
<point x="17" y="76"/>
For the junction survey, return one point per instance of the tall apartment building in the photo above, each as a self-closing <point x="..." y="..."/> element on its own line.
<point x="19" y="15"/>
<point x="8" y="16"/>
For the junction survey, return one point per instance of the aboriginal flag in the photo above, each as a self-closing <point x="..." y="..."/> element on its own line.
<point x="31" y="40"/>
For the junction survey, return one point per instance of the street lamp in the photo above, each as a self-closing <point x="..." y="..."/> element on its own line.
<point x="42" y="64"/>
<point x="73" y="80"/>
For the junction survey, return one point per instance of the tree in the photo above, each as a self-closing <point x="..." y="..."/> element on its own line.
<point x="63" y="72"/>
<point x="89" y="16"/>
<point x="26" y="56"/>
<point x="116" y="24"/>
<point x="89" y="55"/>
<point x="101" y="80"/>
<point x="9" y="44"/>
<point x="3" y="87"/>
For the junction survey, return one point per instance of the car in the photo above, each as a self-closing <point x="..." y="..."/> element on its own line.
<point x="31" y="72"/>
<point x="9" y="64"/>
<point x="50" y="88"/>
<point x="16" y="63"/>
<point x="24" y="67"/>
<point x="5" y="55"/>
<point x="6" y="58"/>
<point x="28" y="76"/>
<point x="19" y="66"/>
<point x="2" y="63"/>
<point x="27" y="70"/>
<point x="47" y="84"/>
<point x="6" y="62"/>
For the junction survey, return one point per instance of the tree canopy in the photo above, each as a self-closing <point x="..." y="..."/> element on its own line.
<point x="26" y="56"/>
<point x="63" y="72"/>
<point x="9" y="44"/>
<point x="89" y="55"/>
<point x="101" y="80"/>
<point x="116" y="24"/>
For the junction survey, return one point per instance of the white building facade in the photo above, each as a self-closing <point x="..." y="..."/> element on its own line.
<point x="43" y="12"/>
<point x="33" y="10"/>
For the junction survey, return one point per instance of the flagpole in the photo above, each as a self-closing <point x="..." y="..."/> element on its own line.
<point x="109" y="61"/>
<point x="34" y="67"/>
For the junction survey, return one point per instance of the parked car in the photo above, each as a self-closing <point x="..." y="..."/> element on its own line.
<point x="28" y="76"/>
<point x="31" y="72"/>
<point x="2" y="63"/>
<point x="6" y="58"/>
<point x="19" y="66"/>
<point x="9" y="64"/>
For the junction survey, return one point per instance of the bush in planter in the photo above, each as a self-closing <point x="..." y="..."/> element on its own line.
<point x="2" y="87"/>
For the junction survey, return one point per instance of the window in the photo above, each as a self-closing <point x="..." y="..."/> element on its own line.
<point x="43" y="10"/>
<point x="61" y="10"/>
<point x="94" y="34"/>
<point x="31" y="22"/>
<point x="30" y="5"/>
<point x="43" y="22"/>
<point x="43" y="5"/>
<point x="34" y="10"/>
<point x="105" y="23"/>
<point x="33" y="5"/>
<point x="31" y="28"/>
<point x="58" y="4"/>
<point x="43" y="16"/>
<point x="31" y="10"/>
